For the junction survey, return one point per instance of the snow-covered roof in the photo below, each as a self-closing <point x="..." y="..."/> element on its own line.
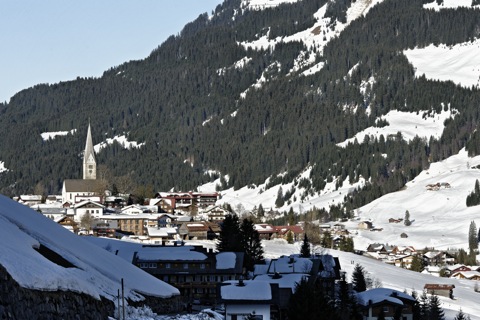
<point x="250" y="290"/>
<point x="291" y="264"/>
<point x="289" y="280"/>
<point x="226" y="260"/>
<point x="96" y="272"/>
<point x="378" y="295"/>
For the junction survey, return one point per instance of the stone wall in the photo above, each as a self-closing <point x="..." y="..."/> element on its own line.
<point x="19" y="303"/>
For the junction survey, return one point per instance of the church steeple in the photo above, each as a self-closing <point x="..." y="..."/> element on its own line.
<point x="89" y="163"/>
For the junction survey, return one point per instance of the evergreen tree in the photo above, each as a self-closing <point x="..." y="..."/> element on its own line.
<point x="461" y="316"/>
<point x="305" y="249"/>
<point x="407" y="221"/>
<point x="417" y="264"/>
<point x="416" y="306"/>
<point x="327" y="240"/>
<point x="279" y="202"/>
<point x="291" y="217"/>
<point x="424" y="307"/>
<point x="435" y="309"/>
<point x="309" y="302"/>
<point x="358" y="279"/>
<point x="289" y="236"/>
<point x="261" y="211"/>
<point x="473" y="236"/>
<point x="230" y="238"/>
<point x="252" y="246"/>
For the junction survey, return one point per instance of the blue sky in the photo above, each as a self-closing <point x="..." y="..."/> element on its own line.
<point x="49" y="41"/>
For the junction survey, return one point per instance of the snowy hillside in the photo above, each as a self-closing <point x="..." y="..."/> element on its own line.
<point x="395" y="278"/>
<point x="95" y="272"/>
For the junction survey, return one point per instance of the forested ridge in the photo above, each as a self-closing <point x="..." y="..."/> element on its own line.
<point x="184" y="102"/>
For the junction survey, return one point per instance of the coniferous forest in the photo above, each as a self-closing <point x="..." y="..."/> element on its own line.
<point x="184" y="101"/>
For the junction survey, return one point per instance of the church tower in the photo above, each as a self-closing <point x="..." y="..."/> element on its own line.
<point x="89" y="163"/>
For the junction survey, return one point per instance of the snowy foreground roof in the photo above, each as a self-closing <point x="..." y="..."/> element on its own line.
<point x="96" y="272"/>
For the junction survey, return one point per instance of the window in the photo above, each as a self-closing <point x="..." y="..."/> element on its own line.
<point x="167" y="265"/>
<point x="185" y="266"/>
<point x="143" y="265"/>
<point x="202" y="266"/>
<point x="152" y="265"/>
<point x="385" y="309"/>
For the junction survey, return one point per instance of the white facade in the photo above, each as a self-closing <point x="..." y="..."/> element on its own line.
<point x="242" y="311"/>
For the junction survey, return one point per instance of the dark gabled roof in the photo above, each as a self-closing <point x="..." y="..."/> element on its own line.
<point x="80" y="185"/>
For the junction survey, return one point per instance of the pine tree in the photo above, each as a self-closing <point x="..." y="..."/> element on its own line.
<point x="407" y="221"/>
<point x="435" y="310"/>
<point x="473" y="236"/>
<point x="289" y="236"/>
<point x="461" y="316"/>
<point x="305" y="249"/>
<point x="358" y="279"/>
<point x="279" y="202"/>
<point x="251" y="243"/>
<point x="424" y="307"/>
<point x="230" y="239"/>
<point x="417" y="264"/>
<point x="261" y="211"/>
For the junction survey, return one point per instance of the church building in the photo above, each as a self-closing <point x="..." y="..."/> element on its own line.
<point x="77" y="190"/>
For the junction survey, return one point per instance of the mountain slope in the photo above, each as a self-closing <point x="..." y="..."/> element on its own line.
<point x="212" y="100"/>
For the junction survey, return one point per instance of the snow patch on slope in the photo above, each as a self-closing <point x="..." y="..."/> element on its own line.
<point x="459" y="63"/>
<point x="51" y="135"/>
<point x="122" y="140"/>
<point x="448" y="4"/>
<point x="2" y="167"/>
<point x="410" y="124"/>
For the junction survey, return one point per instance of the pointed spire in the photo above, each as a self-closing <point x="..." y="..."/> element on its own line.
<point x="89" y="163"/>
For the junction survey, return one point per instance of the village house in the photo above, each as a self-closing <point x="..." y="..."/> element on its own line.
<point x="94" y="209"/>
<point x="283" y="231"/>
<point x="194" y="231"/>
<point x="445" y="290"/>
<point x="265" y="231"/>
<point x="376" y="301"/>
<point x="195" y="271"/>
<point x="469" y="275"/>
<point x="365" y="225"/>
<point x="30" y="199"/>
<point x="244" y="299"/>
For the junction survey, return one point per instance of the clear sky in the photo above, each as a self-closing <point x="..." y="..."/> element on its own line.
<point x="47" y="41"/>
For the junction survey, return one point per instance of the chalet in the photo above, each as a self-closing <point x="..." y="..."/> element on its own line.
<point x="245" y="299"/>
<point x="131" y="209"/>
<point x="365" y="225"/>
<point x="376" y="301"/>
<point x="86" y="207"/>
<point x="393" y="220"/>
<point x="191" y="200"/>
<point x="105" y="229"/>
<point x="469" y="275"/>
<point x="265" y="231"/>
<point x="403" y="250"/>
<point x="457" y="268"/>
<point x="434" y="258"/>
<point x="194" y="231"/>
<point x="132" y="224"/>
<point x="296" y="231"/>
<point x="68" y="223"/>
<point x="215" y="213"/>
<point x="445" y="290"/>
<point x="195" y="271"/>
<point x="161" y="235"/>
<point x="30" y="199"/>
<point x="404" y="261"/>
<point x="378" y="248"/>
